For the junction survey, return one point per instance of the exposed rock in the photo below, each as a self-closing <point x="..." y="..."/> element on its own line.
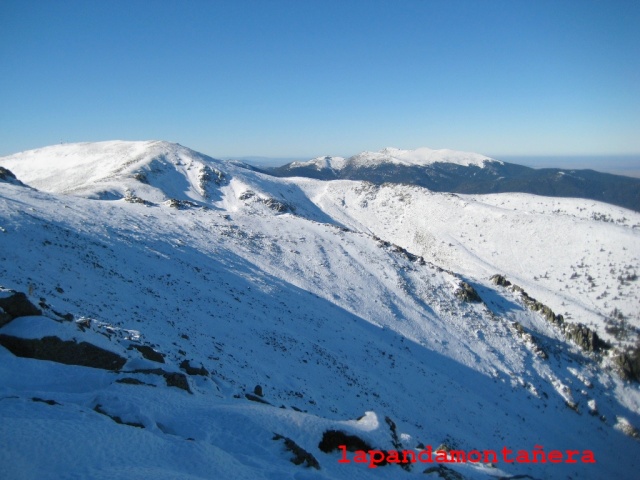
<point x="178" y="380"/>
<point x="131" y="198"/>
<point x="467" y="293"/>
<point x="15" y="304"/>
<point x="254" y="398"/>
<point x="98" y="408"/>
<point x="276" y="205"/>
<point x="587" y="339"/>
<point x="172" y="379"/>
<point x="529" y="339"/>
<point x="627" y="363"/>
<point x="443" y="447"/>
<point x="67" y="352"/>
<point x="148" y="353"/>
<point x="180" y="204"/>
<point x="332" y="439"/>
<point x="300" y="455"/>
<point x="584" y="337"/>
<point x="7" y="176"/>
<point x="141" y="177"/>
<point x="4" y="317"/>
<point x="625" y="427"/>
<point x="258" y="391"/>
<point x="186" y="366"/>
<point x="395" y="441"/>
<point x="133" y="381"/>
<point x="208" y="174"/>
<point x="572" y="405"/>
<point x="42" y="400"/>
<point x="500" y="280"/>
<point x="272" y="203"/>
<point x="394" y="433"/>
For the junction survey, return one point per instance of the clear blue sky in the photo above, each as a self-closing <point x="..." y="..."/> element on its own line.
<point x="302" y="78"/>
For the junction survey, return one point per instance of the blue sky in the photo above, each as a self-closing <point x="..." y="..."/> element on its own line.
<point x="305" y="78"/>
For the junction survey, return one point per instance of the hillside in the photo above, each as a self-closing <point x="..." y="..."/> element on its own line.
<point x="246" y="317"/>
<point x="465" y="172"/>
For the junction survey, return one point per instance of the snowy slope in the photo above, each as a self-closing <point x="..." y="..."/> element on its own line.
<point x="418" y="157"/>
<point x="467" y="173"/>
<point x="253" y="280"/>
<point x="111" y="170"/>
<point x="580" y="257"/>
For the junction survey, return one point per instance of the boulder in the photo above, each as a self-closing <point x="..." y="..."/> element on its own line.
<point x="467" y="293"/>
<point x="68" y="352"/>
<point x="333" y="439"/>
<point x="15" y="304"/>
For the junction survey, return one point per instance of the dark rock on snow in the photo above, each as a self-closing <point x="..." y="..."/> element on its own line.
<point x="15" y="304"/>
<point x="148" y="353"/>
<point x="67" y="352"/>
<point x="300" y="455"/>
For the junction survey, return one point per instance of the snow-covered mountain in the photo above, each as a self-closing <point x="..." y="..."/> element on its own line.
<point x="185" y="317"/>
<point x="395" y="156"/>
<point x="464" y="172"/>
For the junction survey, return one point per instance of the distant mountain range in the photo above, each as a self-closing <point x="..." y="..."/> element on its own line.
<point x="472" y="173"/>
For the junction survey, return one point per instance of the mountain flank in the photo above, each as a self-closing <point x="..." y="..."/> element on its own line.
<point x="462" y="172"/>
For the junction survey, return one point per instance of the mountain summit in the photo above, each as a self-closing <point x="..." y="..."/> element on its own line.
<point x="164" y="314"/>
<point x="156" y="170"/>
<point x="464" y="172"/>
<point x="394" y="156"/>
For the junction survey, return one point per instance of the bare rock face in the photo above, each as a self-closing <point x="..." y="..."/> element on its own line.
<point x="300" y="455"/>
<point x="628" y="363"/>
<point x="15" y="304"/>
<point x="63" y="351"/>
<point x="7" y="176"/>
<point x="467" y="293"/>
<point x="333" y="439"/>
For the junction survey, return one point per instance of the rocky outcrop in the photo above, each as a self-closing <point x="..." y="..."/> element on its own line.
<point x="255" y="398"/>
<point x="333" y="439"/>
<point x="15" y="304"/>
<point x="186" y="366"/>
<point x="627" y="362"/>
<point x="148" y="353"/>
<point x="587" y="339"/>
<point x="275" y="205"/>
<point x="131" y="198"/>
<point x="467" y="293"/>
<point x="7" y="176"/>
<point x="584" y="337"/>
<point x="180" y="204"/>
<point x="172" y="379"/>
<point x="68" y="352"/>
<point x="300" y="455"/>
<point x="207" y="175"/>
<point x="98" y="409"/>
<point x="500" y="280"/>
<point x="530" y="340"/>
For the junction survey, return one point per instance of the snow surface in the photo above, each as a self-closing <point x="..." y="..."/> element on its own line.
<point x="339" y="328"/>
<point x="418" y="157"/>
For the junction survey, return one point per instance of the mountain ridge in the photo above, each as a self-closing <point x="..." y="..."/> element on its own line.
<point x="319" y="295"/>
<point x="462" y="172"/>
